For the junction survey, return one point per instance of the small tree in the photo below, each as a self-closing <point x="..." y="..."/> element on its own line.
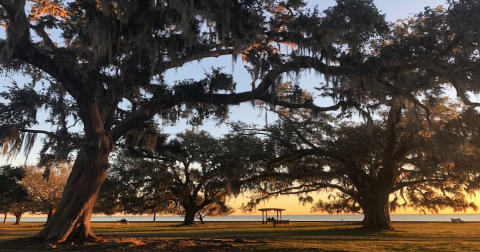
<point x="45" y="192"/>
<point x="213" y="210"/>
<point x="19" y="208"/>
<point x="13" y="195"/>
<point x="135" y="186"/>
<point x="109" y="199"/>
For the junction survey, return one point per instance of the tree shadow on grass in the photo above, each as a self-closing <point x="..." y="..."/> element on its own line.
<point x="346" y="230"/>
<point x="111" y="243"/>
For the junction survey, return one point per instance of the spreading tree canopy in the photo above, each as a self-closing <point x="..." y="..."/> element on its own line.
<point x="136" y="185"/>
<point x="192" y="171"/>
<point x="400" y="160"/>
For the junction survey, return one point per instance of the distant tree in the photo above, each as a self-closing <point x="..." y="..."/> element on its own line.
<point x="135" y="186"/>
<point x="194" y="161"/>
<point x="155" y="193"/>
<point x="45" y="193"/>
<point x="155" y="180"/>
<point x="19" y="208"/>
<point x="184" y="175"/>
<point x="213" y="210"/>
<point x="13" y="195"/>
<point x="109" y="200"/>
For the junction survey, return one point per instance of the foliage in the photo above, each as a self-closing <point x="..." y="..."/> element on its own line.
<point x="191" y="172"/>
<point x="13" y="195"/>
<point x="45" y="193"/>
<point x="214" y="210"/>
<point x="420" y="163"/>
<point x="135" y="186"/>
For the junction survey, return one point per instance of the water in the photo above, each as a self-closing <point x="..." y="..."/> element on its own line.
<point x="394" y="217"/>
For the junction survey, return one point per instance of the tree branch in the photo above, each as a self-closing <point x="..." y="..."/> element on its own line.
<point x="48" y="133"/>
<point x="400" y="185"/>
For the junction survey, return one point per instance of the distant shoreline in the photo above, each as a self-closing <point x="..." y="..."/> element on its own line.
<point x="258" y="218"/>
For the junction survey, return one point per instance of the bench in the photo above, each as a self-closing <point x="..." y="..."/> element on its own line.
<point x="122" y="221"/>
<point x="275" y="222"/>
<point x="458" y="221"/>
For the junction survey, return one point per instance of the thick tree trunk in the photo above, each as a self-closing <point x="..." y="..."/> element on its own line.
<point x="72" y="217"/>
<point x="189" y="216"/>
<point x="377" y="214"/>
<point x="18" y="218"/>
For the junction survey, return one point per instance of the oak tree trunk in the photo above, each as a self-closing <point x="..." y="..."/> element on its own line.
<point x="376" y="209"/>
<point x="189" y="216"/>
<point x="72" y="217"/>
<point x="376" y="213"/>
<point x="18" y="218"/>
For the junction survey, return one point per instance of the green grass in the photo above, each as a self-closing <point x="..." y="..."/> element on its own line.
<point x="404" y="229"/>
<point x="299" y="228"/>
<point x="299" y="238"/>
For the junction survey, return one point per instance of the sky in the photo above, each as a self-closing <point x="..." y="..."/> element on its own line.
<point x="393" y="9"/>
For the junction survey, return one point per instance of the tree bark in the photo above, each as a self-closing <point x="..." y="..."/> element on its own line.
<point x="18" y="218"/>
<point x="189" y="216"/>
<point x="72" y="217"/>
<point x="154" y="216"/>
<point x="50" y="213"/>
<point x="377" y="212"/>
<point x="5" y="218"/>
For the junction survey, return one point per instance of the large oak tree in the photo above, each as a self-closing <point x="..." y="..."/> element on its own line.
<point x="105" y="70"/>
<point x="400" y="160"/>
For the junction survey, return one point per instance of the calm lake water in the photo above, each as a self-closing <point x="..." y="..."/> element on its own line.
<point x="394" y="217"/>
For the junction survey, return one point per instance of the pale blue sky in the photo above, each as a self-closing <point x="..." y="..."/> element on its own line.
<point x="393" y="9"/>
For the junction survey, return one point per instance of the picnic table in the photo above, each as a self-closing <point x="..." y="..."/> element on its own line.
<point x="458" y="220"/>
<point x="122" y="221"/>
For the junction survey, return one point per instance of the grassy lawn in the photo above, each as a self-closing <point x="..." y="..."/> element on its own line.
<point x="220" y="236"/>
